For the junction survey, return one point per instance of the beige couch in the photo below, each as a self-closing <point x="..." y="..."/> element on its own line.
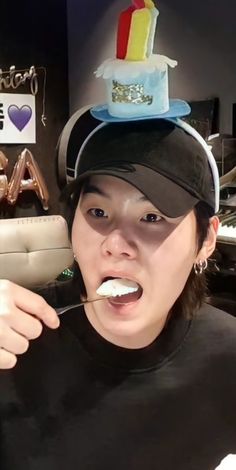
<point x="34" y="250"/>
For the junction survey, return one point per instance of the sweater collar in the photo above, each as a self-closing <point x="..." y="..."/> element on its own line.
<point x="110" y="355"/>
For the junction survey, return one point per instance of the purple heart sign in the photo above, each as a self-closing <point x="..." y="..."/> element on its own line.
<point x="19" y="116"/>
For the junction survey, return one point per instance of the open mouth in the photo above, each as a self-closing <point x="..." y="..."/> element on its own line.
<point x="120" y="290"/>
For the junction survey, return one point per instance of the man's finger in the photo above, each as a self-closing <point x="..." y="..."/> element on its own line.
<point x="7" y="359"/>
<point x="24" y="324"/>
<point x="12" y="296"/>
<point x="11" y="341"/>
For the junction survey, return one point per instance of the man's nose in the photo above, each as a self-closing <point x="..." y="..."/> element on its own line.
<point x="118" y="244"/>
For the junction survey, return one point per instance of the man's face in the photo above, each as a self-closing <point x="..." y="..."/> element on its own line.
<point x="118" y="233"/>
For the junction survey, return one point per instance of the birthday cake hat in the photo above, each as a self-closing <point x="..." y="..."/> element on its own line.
<point x="137" y="80"/>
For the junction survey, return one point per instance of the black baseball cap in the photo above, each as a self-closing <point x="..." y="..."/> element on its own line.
<point x="163" y="161"/>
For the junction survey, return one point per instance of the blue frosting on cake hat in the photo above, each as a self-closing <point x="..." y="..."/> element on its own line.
<point x="177" y="108"/>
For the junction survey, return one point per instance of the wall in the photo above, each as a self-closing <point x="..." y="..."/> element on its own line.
<point x="200" y="35"/>
<point x="35" y="33"/>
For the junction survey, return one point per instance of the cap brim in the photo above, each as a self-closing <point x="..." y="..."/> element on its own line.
<point x="178" y="108"/>
<point x="170" y="198"/>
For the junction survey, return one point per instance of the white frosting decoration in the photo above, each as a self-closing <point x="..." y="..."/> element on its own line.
<point x="123" y="69"/>
<point x="117" y="287"/>
<point x="228" y="463"/>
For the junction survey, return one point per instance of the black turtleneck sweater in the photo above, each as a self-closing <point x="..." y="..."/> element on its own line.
<point x="77" y="402"/>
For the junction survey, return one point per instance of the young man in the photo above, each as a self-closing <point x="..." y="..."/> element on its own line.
<point x="145" y="380"/>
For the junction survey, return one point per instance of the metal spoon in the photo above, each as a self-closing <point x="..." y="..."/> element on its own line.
<point x="62" y="310"/>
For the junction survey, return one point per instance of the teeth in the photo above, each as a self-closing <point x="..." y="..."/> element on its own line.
<point x="117" y="287"/>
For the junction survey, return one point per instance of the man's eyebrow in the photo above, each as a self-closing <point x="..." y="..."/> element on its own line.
<point x="92" y="189"/>
<point x="143" y="198"/>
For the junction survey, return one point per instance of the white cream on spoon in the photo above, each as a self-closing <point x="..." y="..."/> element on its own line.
<point x="117" y="287"/>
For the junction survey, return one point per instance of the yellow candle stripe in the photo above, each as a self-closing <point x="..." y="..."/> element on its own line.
<point x="139" y="34"/>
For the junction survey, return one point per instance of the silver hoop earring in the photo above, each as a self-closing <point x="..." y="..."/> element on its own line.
<point x="75" y="258"/>
<point x="200" y="266"/>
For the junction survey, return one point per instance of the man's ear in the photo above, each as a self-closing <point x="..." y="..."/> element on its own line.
<point x="210" y="240"/>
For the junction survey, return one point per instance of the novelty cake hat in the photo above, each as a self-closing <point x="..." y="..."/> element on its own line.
<point x="137" y="80"/>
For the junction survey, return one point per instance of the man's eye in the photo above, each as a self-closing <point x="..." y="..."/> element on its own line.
<point x="96" y="212"/>
<point x="151" y="218"/>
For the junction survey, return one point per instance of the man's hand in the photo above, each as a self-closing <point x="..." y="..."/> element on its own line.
<point x="22" y="315"/>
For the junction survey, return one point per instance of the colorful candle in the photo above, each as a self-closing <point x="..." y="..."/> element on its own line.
<point x="136" y="31"/>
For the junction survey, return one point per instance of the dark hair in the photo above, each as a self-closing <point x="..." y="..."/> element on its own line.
<point x="195" y="289"/>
